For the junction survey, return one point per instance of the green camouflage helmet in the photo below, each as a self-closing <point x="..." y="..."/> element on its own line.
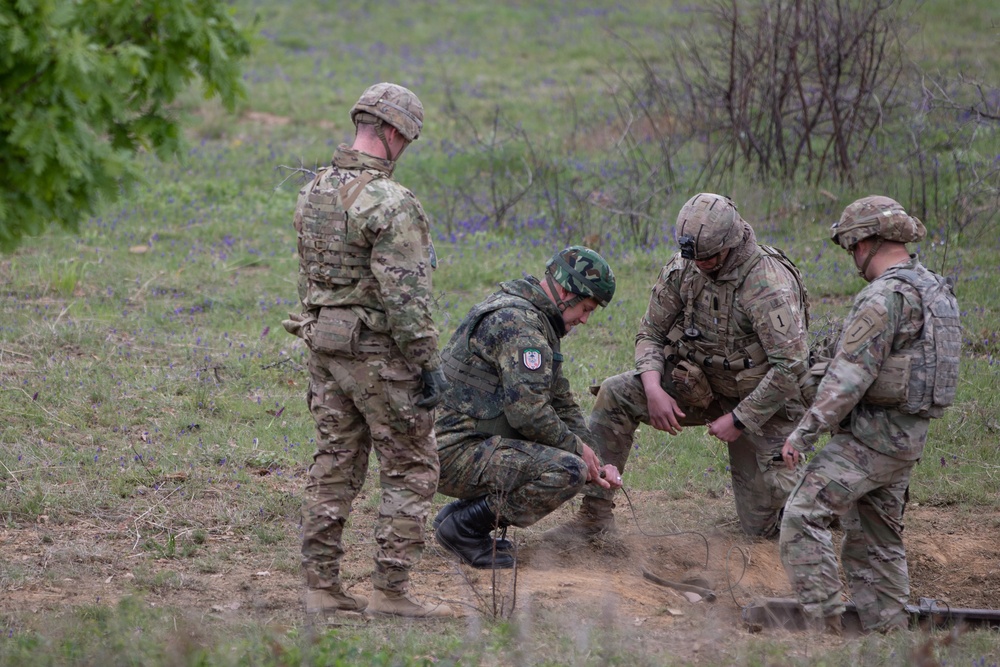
<point x="876" y="216"/>
<point x="706" y="225"/>
<point x="394" y="104"/>
<point x="583" y="272"/>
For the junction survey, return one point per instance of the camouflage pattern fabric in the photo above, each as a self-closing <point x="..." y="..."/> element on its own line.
<point x="393" y="293"/>
<point x="753" y="300"/>
<point x="526" y="481"/>
<point x="533" y="474"/>
<point x="744" y="304"/>
<point x="868" y="490"/>
<point x="359" y="404"/>
<point x="861" y="475"/>
<point x="760" y="484"/>
<point x="372" y="261"/>
<point x="887" y="316"/>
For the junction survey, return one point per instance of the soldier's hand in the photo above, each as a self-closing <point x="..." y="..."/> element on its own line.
<point x="725" y="429"/>
<point x="611" y="474"/>
<point x="435" y="384"/>
<point x="594" y="467"/>
<point x="791" y="456"/>
<point x="664" y="413"/>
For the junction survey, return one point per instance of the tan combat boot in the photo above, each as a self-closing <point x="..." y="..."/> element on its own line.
<point x="393" y="603"/>
<point x="329" y="600"/>
<point x="593" y="519"/>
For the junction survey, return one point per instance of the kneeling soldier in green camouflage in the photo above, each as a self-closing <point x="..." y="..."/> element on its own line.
<point x="512" y="441"/>
<point x="896" y="367"/>
<point x="365" y="262"/>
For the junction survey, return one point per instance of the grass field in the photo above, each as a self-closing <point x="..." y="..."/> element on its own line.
<point x="147" y="388"/>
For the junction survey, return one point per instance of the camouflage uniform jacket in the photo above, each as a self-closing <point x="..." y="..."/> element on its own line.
<point x="511" y="340"/>
<point x="376" y="258"/>
<point x="887" y="316"/>
<point x="754" y="307"/>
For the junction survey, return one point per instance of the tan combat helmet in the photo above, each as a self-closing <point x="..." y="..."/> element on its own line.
<point x="706" y="225"/>
<point x="876" y="216"/>
<point x="393" y="104"/>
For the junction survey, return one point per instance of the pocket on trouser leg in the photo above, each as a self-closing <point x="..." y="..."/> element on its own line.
<point x="402" y="389"/>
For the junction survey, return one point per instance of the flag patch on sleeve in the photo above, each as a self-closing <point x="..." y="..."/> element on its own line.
<point x="531" y="357"/>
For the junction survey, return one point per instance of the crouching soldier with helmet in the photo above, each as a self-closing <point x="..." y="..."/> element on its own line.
<point x="895" y="368"/>
<point x="723" y="343"/>
<point x="512" y="442"/>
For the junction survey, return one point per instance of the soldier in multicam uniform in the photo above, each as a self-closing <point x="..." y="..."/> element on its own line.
<point x="722" y="343"/>
<point x="512" y="441"/>
<point x="375" y="371"/>
<point x="896" y="367"/>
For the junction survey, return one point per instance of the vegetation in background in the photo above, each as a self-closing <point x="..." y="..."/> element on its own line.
<point x="86" y="85"/>
<point x="147" y="385"/>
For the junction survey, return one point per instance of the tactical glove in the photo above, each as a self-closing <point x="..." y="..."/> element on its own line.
<point x="435" y="384"/>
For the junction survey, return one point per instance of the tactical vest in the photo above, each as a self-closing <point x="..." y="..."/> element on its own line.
<point x="329" y="261"/>
<point x="476" y="388"/>
<point x="707" y="332"/>
<point x="921" y="379"/>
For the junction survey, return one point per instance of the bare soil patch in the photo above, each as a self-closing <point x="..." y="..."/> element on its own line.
<point x="954" y="557"/>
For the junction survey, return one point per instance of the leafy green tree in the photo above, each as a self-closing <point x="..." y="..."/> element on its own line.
<point x="87" y="84"/>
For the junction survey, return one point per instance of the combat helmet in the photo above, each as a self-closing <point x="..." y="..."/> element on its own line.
<point x="706" y="225"/>
<point x="393" y="104"/>
<point x="583" y="272"/>
<point x="876" y="216"/>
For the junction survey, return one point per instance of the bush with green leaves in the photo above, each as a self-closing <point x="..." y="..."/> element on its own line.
<point x="87" y="84"/>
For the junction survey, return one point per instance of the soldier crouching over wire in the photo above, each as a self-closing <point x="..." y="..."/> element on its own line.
<point x="895" y="368"/>
<point x="512" y="441"/>
<point x="723" y="342"/>
<point x="365" y="261"/>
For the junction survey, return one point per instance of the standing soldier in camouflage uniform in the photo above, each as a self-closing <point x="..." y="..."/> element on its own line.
<point x="896" y="367"/>
<point x="513" y="442"/>
<point x="375" y="372"/>
<point x="722" y="343"/>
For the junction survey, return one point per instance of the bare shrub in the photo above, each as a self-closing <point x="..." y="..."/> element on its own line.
<point x="790" y="88"/>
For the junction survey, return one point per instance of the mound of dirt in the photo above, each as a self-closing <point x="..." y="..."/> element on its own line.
<point x="954" y="557"/>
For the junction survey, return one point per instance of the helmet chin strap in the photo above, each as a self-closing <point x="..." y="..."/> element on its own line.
<point x="562" y="305"/>
<point x="871" y="254"/>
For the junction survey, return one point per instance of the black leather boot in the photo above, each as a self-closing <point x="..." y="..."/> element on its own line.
<point x="466" y="533"/>
<point x="503" y="544"/>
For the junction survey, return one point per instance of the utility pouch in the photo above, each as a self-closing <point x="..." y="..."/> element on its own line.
<point x="337" y="331"/>
<point x="892" y="386"/>
<point x="691" y="384"/>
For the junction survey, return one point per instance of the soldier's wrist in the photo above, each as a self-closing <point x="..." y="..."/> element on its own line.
<point x="738" y="423"/>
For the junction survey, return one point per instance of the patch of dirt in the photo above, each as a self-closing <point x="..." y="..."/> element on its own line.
<point x="953" y="553"/>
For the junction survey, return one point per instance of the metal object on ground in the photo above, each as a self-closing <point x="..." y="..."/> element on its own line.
<point x="787" y="614"/>
<point x="704" y="591"/>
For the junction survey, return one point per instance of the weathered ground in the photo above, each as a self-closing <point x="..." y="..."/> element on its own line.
<point x="954" y="556"/>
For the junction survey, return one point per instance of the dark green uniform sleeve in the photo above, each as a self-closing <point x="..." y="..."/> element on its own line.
<point x="515" y="341"/>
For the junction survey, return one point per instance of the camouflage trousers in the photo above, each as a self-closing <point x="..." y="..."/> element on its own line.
<point x="760" y="484"/>
<point x="524" y="480"/>
<point x="357" y="403"/>
<point x="868" y="490"/>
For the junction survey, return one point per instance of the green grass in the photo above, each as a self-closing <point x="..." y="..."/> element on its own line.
<point x="146" y="354"/>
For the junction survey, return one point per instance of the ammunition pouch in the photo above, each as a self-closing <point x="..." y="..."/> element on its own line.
<point x="691" y="384"/>
<point x="892" y="386"/>
<point x="338" y="332"/>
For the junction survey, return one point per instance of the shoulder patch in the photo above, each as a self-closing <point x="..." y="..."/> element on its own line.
<point x="531" y="358"/>
<point x="781" y="320"/>
<point x="869" y="323"/>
